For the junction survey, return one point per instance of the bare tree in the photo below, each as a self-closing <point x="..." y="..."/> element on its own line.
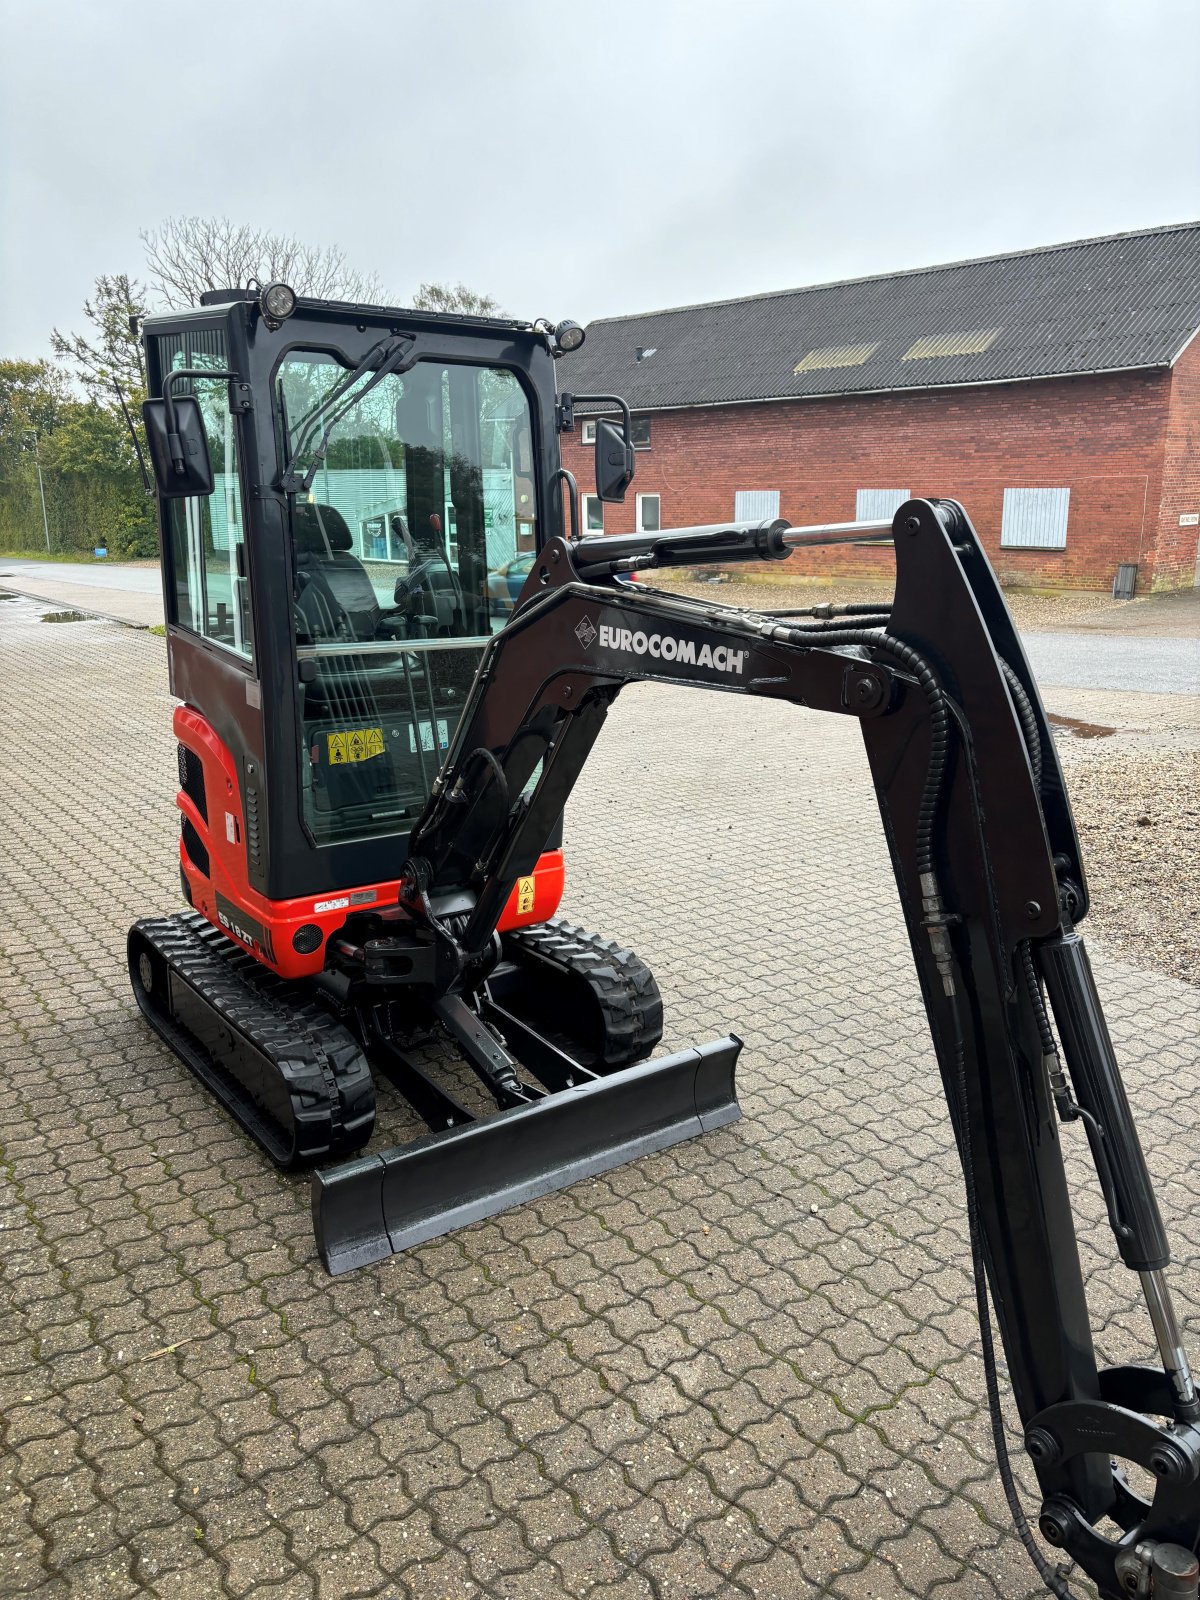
<point x="455" y="297"/>
<point x="187" y="255"/>
<point x="112" y="353"/>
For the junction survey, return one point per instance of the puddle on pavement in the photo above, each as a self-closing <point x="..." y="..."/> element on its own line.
<point x="65" y="616"/>
<point x="1081" y="730"/>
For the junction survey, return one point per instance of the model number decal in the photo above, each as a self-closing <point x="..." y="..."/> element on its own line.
<point x="235" y="921"/>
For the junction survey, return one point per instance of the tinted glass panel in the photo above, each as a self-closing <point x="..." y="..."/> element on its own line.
<point x="409" y="550"/>
<point x="207" y="534"/>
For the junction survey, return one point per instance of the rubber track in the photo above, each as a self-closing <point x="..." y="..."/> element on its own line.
<point x="320" y="1064"/>
<point x="620" y="981"/>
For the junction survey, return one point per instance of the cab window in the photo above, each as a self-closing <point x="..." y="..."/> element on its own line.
<point x="207" y="535"/>
<point x="409" y="549"/>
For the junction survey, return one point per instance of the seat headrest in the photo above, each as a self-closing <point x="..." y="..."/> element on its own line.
<point x="314" y="524"/>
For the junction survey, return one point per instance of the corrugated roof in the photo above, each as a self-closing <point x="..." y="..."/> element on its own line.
<point x="1095" y="305"/>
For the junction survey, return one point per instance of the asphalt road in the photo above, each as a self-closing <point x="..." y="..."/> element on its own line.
<point x="1108" y="661"/>
<point x="130" y="594"/>
<point x="119" y="576"/>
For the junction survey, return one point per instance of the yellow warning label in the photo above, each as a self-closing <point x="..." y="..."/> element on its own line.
<point x="356" y="744"/>
<point x="525" y="896"/>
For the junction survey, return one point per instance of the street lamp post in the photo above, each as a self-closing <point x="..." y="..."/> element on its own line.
<point x="31" y="443"/>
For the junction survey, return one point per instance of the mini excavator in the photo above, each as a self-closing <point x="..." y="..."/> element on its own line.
<point x="376" y="744"/>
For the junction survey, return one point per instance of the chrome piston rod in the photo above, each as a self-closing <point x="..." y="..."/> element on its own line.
<point x="878" y="530"/>
<point x="1168" y="1337"/>
<point x="717" y="543"/>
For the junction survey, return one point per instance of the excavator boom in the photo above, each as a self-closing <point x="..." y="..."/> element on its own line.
<point x="991" y="883"/>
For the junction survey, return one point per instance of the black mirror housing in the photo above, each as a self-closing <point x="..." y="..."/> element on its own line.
<point x="614" y="462"/>
<point x="178" y="453"/>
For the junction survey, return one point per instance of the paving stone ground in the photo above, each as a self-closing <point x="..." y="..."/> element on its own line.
<point x="744" y="1367"/>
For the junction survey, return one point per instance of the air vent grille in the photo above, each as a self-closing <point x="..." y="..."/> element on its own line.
<point x="253" y="829"/>
<point x="191" y="779"/>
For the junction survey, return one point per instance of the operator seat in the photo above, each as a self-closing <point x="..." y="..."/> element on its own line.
<point x="335" y="598"/>
<point x="336" y="604"/>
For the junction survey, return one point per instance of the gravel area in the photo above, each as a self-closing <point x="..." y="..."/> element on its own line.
<point x="1132" y="766"/>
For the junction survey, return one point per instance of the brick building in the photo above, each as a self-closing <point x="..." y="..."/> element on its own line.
<point x="1055" y="392"/>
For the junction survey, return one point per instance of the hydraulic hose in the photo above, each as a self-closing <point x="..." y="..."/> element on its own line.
<point x="1037" y="1000"/>
<point x="869" y="620"/>
<point x="455" y="795"/>
<point x="828" y="610"/>
<point x="1028" y="721"/>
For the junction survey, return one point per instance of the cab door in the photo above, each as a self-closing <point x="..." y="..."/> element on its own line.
<point x="210" y="622"/>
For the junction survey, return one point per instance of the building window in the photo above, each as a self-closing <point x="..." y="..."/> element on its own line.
<point x="649" y="518"/>
<point x="641" y="432"/>
<point x="1035" y="519"/>
<point x="755" y="505"/>
<point x="593" y="514"/>
<point x="872" y="504"/>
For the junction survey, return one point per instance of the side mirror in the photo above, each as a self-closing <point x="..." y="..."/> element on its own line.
<point x="178" y="447"/>
<point x="614" y="462"/>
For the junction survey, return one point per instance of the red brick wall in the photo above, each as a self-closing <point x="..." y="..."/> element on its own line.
<point x="1101" y="437"/>
<point x="1176" y="553"/>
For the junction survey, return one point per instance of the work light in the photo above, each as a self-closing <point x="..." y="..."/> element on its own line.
<point x="568" y="336"/>
<point x="277" y="302"/>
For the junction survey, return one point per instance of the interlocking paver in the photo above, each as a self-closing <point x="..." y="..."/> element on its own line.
<point x="746" y="1366"/>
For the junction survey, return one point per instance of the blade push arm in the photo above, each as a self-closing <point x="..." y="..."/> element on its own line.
<point x="989" y="875"/>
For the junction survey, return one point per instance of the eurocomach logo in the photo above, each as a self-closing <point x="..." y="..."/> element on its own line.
<point x="665" y="647"/>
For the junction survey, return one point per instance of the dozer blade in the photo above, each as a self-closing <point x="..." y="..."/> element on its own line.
<point x="368" y="1209"/>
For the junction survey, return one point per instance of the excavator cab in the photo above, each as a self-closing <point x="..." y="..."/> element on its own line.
<point x="337" y="618"/>
<point x="339" y="487"/>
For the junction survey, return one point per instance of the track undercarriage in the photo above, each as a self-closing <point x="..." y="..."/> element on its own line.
<point x="557" y="1028"/>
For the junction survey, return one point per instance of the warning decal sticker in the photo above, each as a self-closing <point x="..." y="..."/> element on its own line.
<point x="525" y="896"/>
<point x="355" y="744"/>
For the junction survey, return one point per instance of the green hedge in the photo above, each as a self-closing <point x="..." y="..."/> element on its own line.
<point x="83" y="510"/>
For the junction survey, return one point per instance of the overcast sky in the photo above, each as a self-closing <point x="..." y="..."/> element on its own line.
<point x="584" y="160"/>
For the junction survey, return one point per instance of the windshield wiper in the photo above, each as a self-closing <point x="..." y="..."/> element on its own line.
<point x="388" y="356"/>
